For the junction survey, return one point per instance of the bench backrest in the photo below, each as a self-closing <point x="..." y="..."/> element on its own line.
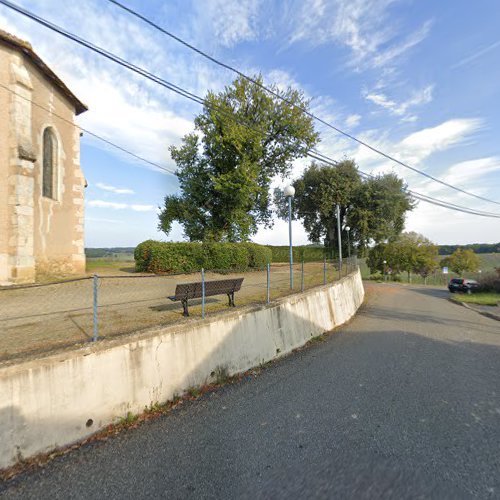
<point x="194" y="291"/>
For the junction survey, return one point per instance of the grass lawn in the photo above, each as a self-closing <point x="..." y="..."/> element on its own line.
<point x="483" y="299"/>
<point x="108" y="266"/>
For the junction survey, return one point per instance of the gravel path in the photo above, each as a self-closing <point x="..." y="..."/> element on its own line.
<point x="404" y="402"/>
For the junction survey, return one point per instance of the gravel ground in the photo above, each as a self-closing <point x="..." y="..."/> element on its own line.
<point x="40" y="319"/>
<point x="403" y="402"/>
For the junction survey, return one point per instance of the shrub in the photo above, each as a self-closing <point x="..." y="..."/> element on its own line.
<point x="142" y="255"/>
<point x="161" y="257"/>
<point x="308" y="253"/>
<point x="175" y="257"/>
<point x="489" y="283"/>
<point x="259" y="256"/>
<point x="225" y="256"/>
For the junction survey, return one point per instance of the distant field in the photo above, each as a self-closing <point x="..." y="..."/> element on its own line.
<point x="489" y="261"/>
<point x="123" y="262"/>
<point x="115" y="263"/>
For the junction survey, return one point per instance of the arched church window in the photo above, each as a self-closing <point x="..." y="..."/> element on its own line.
<point x="49" y="163"/>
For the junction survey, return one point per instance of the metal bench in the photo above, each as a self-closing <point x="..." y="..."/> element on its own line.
<point x="186" y="291"/>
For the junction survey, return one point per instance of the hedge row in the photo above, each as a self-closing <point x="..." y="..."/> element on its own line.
<point x="309" y="254"/>
<point x="160" y="257"/>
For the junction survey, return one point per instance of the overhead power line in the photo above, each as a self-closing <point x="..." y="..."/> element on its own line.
<point x="422" y="197"/>
<point x="93" y="134"/>
<point x="307" y="112"/>
<point x="187" y="94"/>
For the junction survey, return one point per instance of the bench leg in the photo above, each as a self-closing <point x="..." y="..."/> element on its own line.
<point x="185" y="306"/>
<point x="230" y="296"/>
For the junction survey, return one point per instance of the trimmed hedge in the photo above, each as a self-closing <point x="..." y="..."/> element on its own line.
<point x="308" y="253"/>
<point x="259" y="256"/>
<point x="161" y="257"/>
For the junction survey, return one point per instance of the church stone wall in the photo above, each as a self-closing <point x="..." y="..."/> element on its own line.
<point x="44" y="236"/>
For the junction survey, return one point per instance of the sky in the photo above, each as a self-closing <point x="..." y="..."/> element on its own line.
<point x="416" y="79"/>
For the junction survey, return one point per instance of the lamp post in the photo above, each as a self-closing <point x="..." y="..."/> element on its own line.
<point x="340" y="240"/>
<point x="385" y="275"/>
<point x="347" y="228"/>
<point x="289" y="191"/>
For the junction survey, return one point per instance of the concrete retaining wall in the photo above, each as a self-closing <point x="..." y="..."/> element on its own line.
<point x="50" y="402"/>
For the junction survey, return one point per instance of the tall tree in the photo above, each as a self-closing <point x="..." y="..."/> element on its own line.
<point x="243" y="138"/>
<point x="374" y="209"/>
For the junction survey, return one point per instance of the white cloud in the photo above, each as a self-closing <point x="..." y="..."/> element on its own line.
<point x="382" y="58"/>
<point x="113" y="189"/>
<point x="231" y="22"/>
<point x="107" y="204"/>
<point x="104" y="221"/>
<point x="123" y="108"/>
<point x="365" y="27"/>
<point x="466" y="172"/>
<point x="120" y="206"/>
<point x="352" y="121"/>
<point x="417" y="98"/>
<point x="143" y="208"/>
<point x="421" y="144"/>
<point x="476" y="55"/>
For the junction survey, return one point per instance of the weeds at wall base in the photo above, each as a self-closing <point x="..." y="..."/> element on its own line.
<point x="154" y="410"/>
<point x="130" y="421"/>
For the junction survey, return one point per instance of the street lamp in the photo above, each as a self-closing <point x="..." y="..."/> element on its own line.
<point x="385" y="275"/>
<point x="289" y="191"/>
<point x="347" y="228"/>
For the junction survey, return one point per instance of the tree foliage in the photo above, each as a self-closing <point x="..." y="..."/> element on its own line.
<point x="410" y="252"/>
<point x="243" y="138"/>
<point x="374" y="209"/>
<point x="462" y="260"/>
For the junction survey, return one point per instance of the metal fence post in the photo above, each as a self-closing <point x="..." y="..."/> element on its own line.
<point x="95" y="287"/>
<point x="302" y="276"/>
<point x="268" y="297"/>
<point x="202" y="293"/>
<point x="324" y="271"/>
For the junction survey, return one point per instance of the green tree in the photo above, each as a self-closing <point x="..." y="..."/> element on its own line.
<point x="374" y="209"/>
<point x="243" y="138"/>
<point x="462" y="260"/>
<point x="378" y="210"/>
<point x="410" y="252"/>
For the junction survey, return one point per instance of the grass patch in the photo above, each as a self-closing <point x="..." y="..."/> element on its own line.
<point x="100" y="265"/>
<point x="483" y="298"/>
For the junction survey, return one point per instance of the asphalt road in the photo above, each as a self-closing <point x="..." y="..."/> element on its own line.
<point x="404" y="402"/>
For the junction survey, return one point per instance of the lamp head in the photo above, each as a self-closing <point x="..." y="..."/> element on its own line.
<point x="289" y="191"/>
<point x="347" y="228"/>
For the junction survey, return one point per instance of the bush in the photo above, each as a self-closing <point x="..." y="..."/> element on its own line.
<point x="309" y="254"/>
<point x="161" y="257"/>
<point x="489" y="283"/>
<point x="142" y="255"/>
<point x="175" y="257"/>
<point x="259" y="256"/>
<point x="225" y="256"/>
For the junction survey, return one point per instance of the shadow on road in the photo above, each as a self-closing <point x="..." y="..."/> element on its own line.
<point x="432" y="292"/>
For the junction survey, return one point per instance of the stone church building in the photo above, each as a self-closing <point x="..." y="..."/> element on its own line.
<point x="41" y="183"/>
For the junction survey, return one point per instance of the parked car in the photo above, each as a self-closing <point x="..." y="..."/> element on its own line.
<point x="462" y="285"/>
